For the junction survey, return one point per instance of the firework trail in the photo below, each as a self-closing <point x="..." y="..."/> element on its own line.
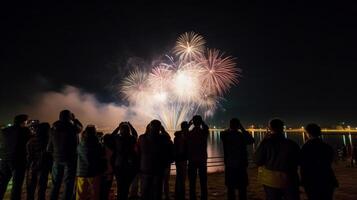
<point x="192" y="82"/>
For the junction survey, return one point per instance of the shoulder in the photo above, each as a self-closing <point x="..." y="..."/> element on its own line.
<point x="177" y="133"/>
<point x="227" y="133"/>
<point x="56" y="123"/>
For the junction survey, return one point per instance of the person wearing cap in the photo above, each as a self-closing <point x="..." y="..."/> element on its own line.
<point x="317" y="175"/>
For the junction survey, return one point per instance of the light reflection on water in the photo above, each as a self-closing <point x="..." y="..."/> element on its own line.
<point x="215" y="149"/>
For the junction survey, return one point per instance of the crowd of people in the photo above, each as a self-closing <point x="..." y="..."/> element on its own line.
<point x="86" y="164"/>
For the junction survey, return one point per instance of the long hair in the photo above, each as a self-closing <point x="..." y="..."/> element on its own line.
<point x="89" y="134"/>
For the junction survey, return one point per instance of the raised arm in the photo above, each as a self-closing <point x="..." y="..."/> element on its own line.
<point x="164" y="132"/>
<point x="116" y="131"/>
<point x="78" y="125"/>
<point x="205" y="128"/>
<point x="247" y="136"/>
<point x="132" y="130"/>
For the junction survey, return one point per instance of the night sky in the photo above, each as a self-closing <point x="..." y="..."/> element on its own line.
<point x="298" y="61"/>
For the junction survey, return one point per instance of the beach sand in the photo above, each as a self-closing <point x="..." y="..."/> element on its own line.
<point x="346" y="176"/>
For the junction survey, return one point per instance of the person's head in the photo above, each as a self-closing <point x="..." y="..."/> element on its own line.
<point x="43" y="130"/>
<point x="89" y="133"/>
<point x="197" y="120"/>
<point x="65" y="115"/>
<point x="184" y="126"/>
<point x="155" y="126"/>
<point x="21" y="120"/>
<point x="124" y="129"/>
<point x="234" y="124"/>
<point x="276" y="126"/>
<point x="313" y="130"/>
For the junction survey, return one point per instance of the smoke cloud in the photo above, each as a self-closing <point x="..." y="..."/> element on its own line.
<point x="85" y="106"/>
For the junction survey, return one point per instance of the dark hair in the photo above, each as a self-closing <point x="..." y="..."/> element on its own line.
<point x="197" y="120"/>
<point x="124" y="129"/>
<point x="276" y="125"/>
<point x="313" y="129"/>
<point x="65" y="115"/>
<point x="19" y="119"/>
<point x="184" y="125"/>
<point x="89" y="133"/>
<point x="155" y="126"/>
<point x="233" y="123"/>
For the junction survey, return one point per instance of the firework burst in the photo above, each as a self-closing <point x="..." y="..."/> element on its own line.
<point x="218" y="72"/>
<point x="134" y="86"/>
<point x="189" y="45"/>
<point x="194" y="83"/>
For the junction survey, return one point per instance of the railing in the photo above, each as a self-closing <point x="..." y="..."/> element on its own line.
<point x="216" y="161"/>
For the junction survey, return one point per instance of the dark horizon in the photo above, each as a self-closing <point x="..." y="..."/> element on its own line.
<point x="298" y="60"/>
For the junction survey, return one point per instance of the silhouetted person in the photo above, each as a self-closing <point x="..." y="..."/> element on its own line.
<point x="89" y="165"/>
<point x="135" y="189"/>
<point x="180" y="155"/>
<point x="155" y="155"/>
<point x="278" y="158"/>
<point x="166" y="183"/>
<point x="13" y="142"/>
<point x="39" y="163"/>
<point x="235" y="141"/>
<point x="126" y="163"/>
<point x="197" y="156"/>
<point x="107" y="178"/>
<point x="317" y="175"/>
<point x="63" y="145"/>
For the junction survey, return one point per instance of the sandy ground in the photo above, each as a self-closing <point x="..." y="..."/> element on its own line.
<point x="347" y="178"/>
